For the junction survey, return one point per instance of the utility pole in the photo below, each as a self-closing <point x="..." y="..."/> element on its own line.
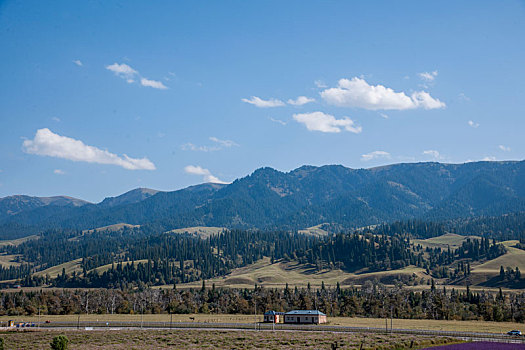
<point x="255" y="310"/>
<point x="38" y="316"/>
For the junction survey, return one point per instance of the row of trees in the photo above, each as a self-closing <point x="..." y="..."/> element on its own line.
<point x="372" y="300"/>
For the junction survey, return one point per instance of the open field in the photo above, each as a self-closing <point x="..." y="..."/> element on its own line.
<point x="414" y="324"/>
<point x="215" y="339"/>
<point x="278" y="274"/>
<point x="451" y="240"/>
<point x="111" y="228"/>
<point x="18" y="241"/>
<point x="104" y="268"/>
<point x="199" y="231"/>
<point x="69" y="266"/>
<point x="9" y="260"/>
<point x="314" y="231"/>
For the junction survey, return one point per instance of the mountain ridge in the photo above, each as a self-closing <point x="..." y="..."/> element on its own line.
<point x="304" y="197"/>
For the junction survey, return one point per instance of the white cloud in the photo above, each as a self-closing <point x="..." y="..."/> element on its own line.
<point x="153" y="83"/>
<point x="258" y="102"/>
<point x="78" y="63"/>
<point x="192" y="147"/>
<point x="489" y="159"/>
<point x="59" y="172"/>
<point x="207" y="175"/>
<point x="131" y="75"/>
<point x="301" y="100"/>
<point x="320" y="84"/>
<point x="220" y="144"/>
<point x="47" y="143"/>
<point x="356" y="92"/>
<point x="282" y="122"/>
<point x="473" y="124"/>
<point x="385" y="116"/>
<point x="375" y="155"/>
<point x="123" y="70"/>
<point x="319" y="121"/>
<point x="428" y="76"/>
<point x="433" y="153"/>
<point x="56" y="119"/>
<point x="504" y="148"/>
<point x="223" y="143"/>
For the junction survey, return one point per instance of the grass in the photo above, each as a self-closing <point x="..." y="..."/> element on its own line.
<point x="111" y="228"/>
<point x="200" y="231"/>
<point x="9" y="260"/>
<point x="16" y="242"/>
<point x="70" y="267"/>
<point x="436" y="325"/>
<point x="451" y="240"/>
<point x="104" y="268"/>
<point x="215" y="339"/>
<point x="314" y="231"/>
<point x="278" y="274"/>
<point x="514" y="257"/>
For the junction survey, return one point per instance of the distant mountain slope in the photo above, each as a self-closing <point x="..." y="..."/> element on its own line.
<point x="133" y="196"/>
<point x="308" y="196"/>
<point x="13" y="205"/>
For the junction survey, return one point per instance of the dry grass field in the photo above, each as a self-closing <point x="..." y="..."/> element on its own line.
<point x="199" y="231"/>
<point x="435" y="325"/>
<point x="18" y="241"/>
<point x="451" y="240"/>
<point x="278" y="274"/>
<point x="70" y="266"/>
<point x="215" y="339"/>
<point x="9" y="260"/>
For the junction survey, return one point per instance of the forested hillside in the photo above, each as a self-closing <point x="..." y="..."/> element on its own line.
<point x="304" y="197"/>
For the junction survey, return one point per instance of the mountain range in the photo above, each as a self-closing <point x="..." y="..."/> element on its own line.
<point x="304" y="197"/>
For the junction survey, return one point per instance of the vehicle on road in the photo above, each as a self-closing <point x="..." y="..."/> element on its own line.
<point x="514" y="332"/>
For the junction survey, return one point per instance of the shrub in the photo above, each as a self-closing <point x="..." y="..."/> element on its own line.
<point x="1" y="343"/>
<point x="60" y="342"/>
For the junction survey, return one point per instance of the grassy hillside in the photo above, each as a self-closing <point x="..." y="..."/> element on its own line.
<point x="70" y="267"/>
<point x="451" y="240"/>
<point x="104" y="268"/>
<point x="315" y="230"/>
<point x="16" y="242"/>
<point x="278" y="274"/>
<point x="200" y="231"/>
<point x="111" y="228"/>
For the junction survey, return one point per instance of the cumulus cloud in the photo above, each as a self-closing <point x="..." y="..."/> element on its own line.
<point x="428" y="76"/>
<point x="319" y="121"/>
<point x="301" y="100"/>
<point x="432" y="153"/>
<point x="320" y="84"/>
<point x="356" y="92"/>
<point x="207" y="175"/>
<point x="504" y="148"/>
<point x="47" y="143"/>
<point x="152" y="83"/>
<point x="223" y="143"/>
<point x="473" y="124"/>
<point x="78" y="63"/>
<point x="123" y="71"/>
<point x="130" y="75"/>
<point x="219" y="144"/>
<point x="375" y="155"/>
<point x="489" y="159"/>
<point x="282" y="122"/>
<point x="258" y="102"/>
<point x="59" y="172"/>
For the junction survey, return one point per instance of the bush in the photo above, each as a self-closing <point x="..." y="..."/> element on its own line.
<point x="60" y="342"/>
<point x="1" y="343"/>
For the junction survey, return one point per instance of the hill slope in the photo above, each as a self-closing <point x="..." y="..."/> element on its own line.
<point x="309" y="196"/>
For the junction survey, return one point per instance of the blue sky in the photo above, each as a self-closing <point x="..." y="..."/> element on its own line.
<point x="100" y="97"/>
